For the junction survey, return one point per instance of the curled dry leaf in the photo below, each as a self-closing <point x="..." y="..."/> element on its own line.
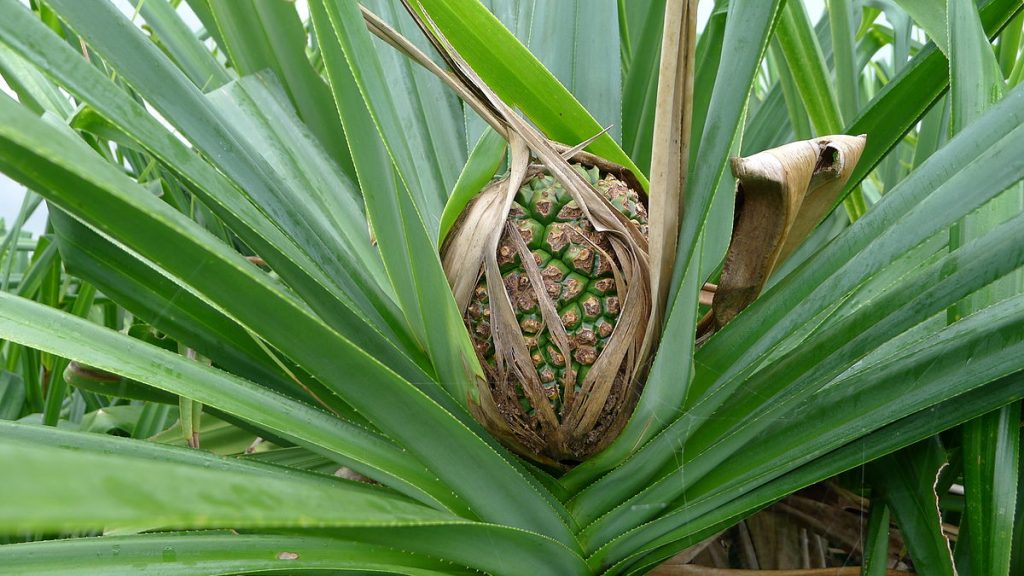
<point x="781" y="195"/>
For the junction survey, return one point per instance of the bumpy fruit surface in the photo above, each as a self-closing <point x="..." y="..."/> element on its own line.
<point x="576" y="264"/>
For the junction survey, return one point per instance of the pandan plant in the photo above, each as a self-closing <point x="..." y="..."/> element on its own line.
<point x="439" y="287"/>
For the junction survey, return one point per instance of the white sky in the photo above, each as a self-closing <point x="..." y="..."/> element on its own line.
<point x="12" y="193"/>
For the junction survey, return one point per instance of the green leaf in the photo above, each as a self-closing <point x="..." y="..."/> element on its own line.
<point x="295" y="457"/>
<point x="32" y="275"/>
<point x="493" y="549"/>
<point x="286" y="498"/>
<point x="12" y="395"/>
<point x="639" y="87"/>
<point x="768" y="320"/>
<point x="1017" y="546"/>
<point x="86" y="379"/>
<point x="269" y="35"/>
<point x="931" y="16"/>
<point x="203" y="11"/>
<point x="876" y="546"/>
<point x="748" y="28"/>
<point x="194" y="59"/>
<point x="806" y="65"/>
<point x="153" y="419"/>
<point x="771" y="394"/>
<point x="975" y="79"/>
<point x="906" y="481"/>
<point x="991" y="464"/>
<point x="34" y="90"/>
<point x="144" y="289"/>
<point x="933" y="133"/>
<point x="211" y="552"/>
<point x="780" y="118"/>
<point x="975" y="84"/>
<point x="918" y="378"/>
<point x="38" y="326"/>
<point x="55" y="394"/>
<point x="138" y="450"/>
<point x="113" y="420"/>
<point x="904" y="100"/>
<point x="431" y="116"/>
<point x="43" y="258"/>
<point x="1010" y="42"/>
<point x="707" y="63"/>
<point x="101" y="195"/>
<point x="255" y="106"/>
<point x="578" y="42"/>
<point x="216" y="436"/>
<point x="520" y="79"/>
<point x="484" y="161"/>
<point x="275" y="234"/>
<point x="118" y="490"/>
<point x="990" y="443"/>
<point x="726" y="509"/>
<point x="842" y="24"/>
<point x="343" y="34"/>
<point x="410" y="256"/>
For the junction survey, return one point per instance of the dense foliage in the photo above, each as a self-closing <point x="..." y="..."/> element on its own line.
<point x="234" y="349"/>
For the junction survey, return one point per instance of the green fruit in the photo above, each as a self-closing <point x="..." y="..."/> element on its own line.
<point x="576" y="264"/>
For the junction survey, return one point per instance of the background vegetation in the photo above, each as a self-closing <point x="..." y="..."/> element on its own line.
<point x="241" y="255"/>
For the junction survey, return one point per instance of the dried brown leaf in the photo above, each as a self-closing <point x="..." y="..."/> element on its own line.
<point x="781" y="195"/>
